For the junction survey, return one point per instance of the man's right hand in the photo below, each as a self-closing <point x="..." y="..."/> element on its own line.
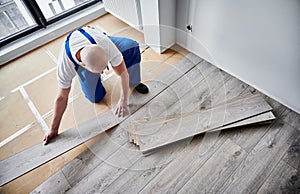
<point x="60" y="106"/>
<point x="49" y="136"/>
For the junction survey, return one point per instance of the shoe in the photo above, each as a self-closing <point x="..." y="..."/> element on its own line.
<point x="142" y="88"/>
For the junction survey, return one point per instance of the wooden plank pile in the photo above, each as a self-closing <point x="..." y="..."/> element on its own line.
<point x="153" y="134"/>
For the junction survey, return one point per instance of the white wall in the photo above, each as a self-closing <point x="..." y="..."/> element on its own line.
<point x="158" y="18"/>
<point x="128" y="11"/>
<point x="257" y="41"/>
<point x="150" y="17"/>
<point x="167" y="11"/>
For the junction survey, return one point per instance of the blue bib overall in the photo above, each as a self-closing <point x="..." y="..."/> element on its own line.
<point x="91" y="82"/>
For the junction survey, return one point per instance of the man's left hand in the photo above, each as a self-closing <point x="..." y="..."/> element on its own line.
<point x="122" y="108"/>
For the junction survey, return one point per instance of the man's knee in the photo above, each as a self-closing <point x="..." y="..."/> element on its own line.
<point x="95" y="98"/>
<point x="132" y="57"/>
<point x="96" y="94"/>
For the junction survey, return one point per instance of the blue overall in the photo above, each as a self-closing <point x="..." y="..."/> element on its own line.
<point x="91" y="82"/>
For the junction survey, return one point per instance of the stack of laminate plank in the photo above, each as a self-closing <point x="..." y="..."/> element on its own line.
<point x="153" y="134"/>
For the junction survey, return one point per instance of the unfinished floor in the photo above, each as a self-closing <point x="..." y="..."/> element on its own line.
<point x="253" y="159"/>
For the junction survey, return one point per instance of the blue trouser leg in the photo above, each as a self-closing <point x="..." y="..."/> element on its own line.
<point x="91" y="82"/>
<point x="91" y="85"/>
<point x="132" y="57"/>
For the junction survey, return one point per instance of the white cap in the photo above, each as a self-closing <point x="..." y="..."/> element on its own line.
<point x="94" y="57"/>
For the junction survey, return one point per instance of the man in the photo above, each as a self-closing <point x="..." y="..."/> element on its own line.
<point x="87" y="52"/>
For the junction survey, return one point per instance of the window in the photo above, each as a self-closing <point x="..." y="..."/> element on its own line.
<point x="14" y="17"/>
<point x="52" y="8"/>
<point x="22" y="17"/>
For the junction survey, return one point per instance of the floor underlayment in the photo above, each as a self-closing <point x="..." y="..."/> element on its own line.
<point x="263" y="158"/>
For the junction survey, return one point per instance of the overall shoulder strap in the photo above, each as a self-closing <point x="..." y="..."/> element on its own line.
<point x="87" y="35"/>
<point x="68" y="51"/>
<point x="67" y="45"/>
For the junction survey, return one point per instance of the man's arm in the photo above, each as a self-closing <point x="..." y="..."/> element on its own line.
<point x="121" y="70"/>
<point x="60" y="106"/>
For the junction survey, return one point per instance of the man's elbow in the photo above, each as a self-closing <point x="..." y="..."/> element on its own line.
<point x="125" y="74"/>
<point x="61" y="98"/>
<point x="63" y="95"/>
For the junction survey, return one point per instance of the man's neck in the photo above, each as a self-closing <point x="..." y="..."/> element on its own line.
<point x="77" y="55"/>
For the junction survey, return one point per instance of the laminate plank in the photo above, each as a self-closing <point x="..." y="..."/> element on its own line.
<point x="82" y="165"/>
<point x="260" y="162"/>
<point x="283" y="179"/>
<point x="213" y="80"/>
<point x="202" y="96"/>
<point x="227" y="91"/>
<point x="161" y="83"/>
<point x="153" y="136"/>
<point x="204" y="92"/>
<point x="190" y="92"/>
<point x="107" y="171"/>
<point x="185" y="86"/>
<point x="278" y="109"/>
<point x="248" y="136"/>
<point x="56" y="184"/>
<point x="292" y="118"/>
<point x="87" y="161"/>
<point x="175" y="175"/>
<point x="258" y="119"/>
<point x="193" y="98"/>
<point x="143" y="171"/>
<point x="292" y="156"/>
<point x="216" y="170"/>
<point x="35" y="156"/>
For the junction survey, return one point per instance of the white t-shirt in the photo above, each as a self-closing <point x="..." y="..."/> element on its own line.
<point x="66" y="68"/>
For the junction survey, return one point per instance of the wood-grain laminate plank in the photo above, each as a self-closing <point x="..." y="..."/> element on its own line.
<point x="152" y="136"/>
<point x="35" y="156"/>
<point x="260" y="162"/>
<point x="258" y="119"/>
<point x="292" y="156"/>
<point x="283" y="179"/>
<point x="216" y="170"/>
<point x="56" y="184"/>
<point x="143" y="171"/>
<point x="111" y="168"/>
<point x="248" y="136"/>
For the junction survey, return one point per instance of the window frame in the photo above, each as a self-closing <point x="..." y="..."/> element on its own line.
<point x="41" y="21"/>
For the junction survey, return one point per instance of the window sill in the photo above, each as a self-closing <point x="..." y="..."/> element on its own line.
<point x="53" y="31"/>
